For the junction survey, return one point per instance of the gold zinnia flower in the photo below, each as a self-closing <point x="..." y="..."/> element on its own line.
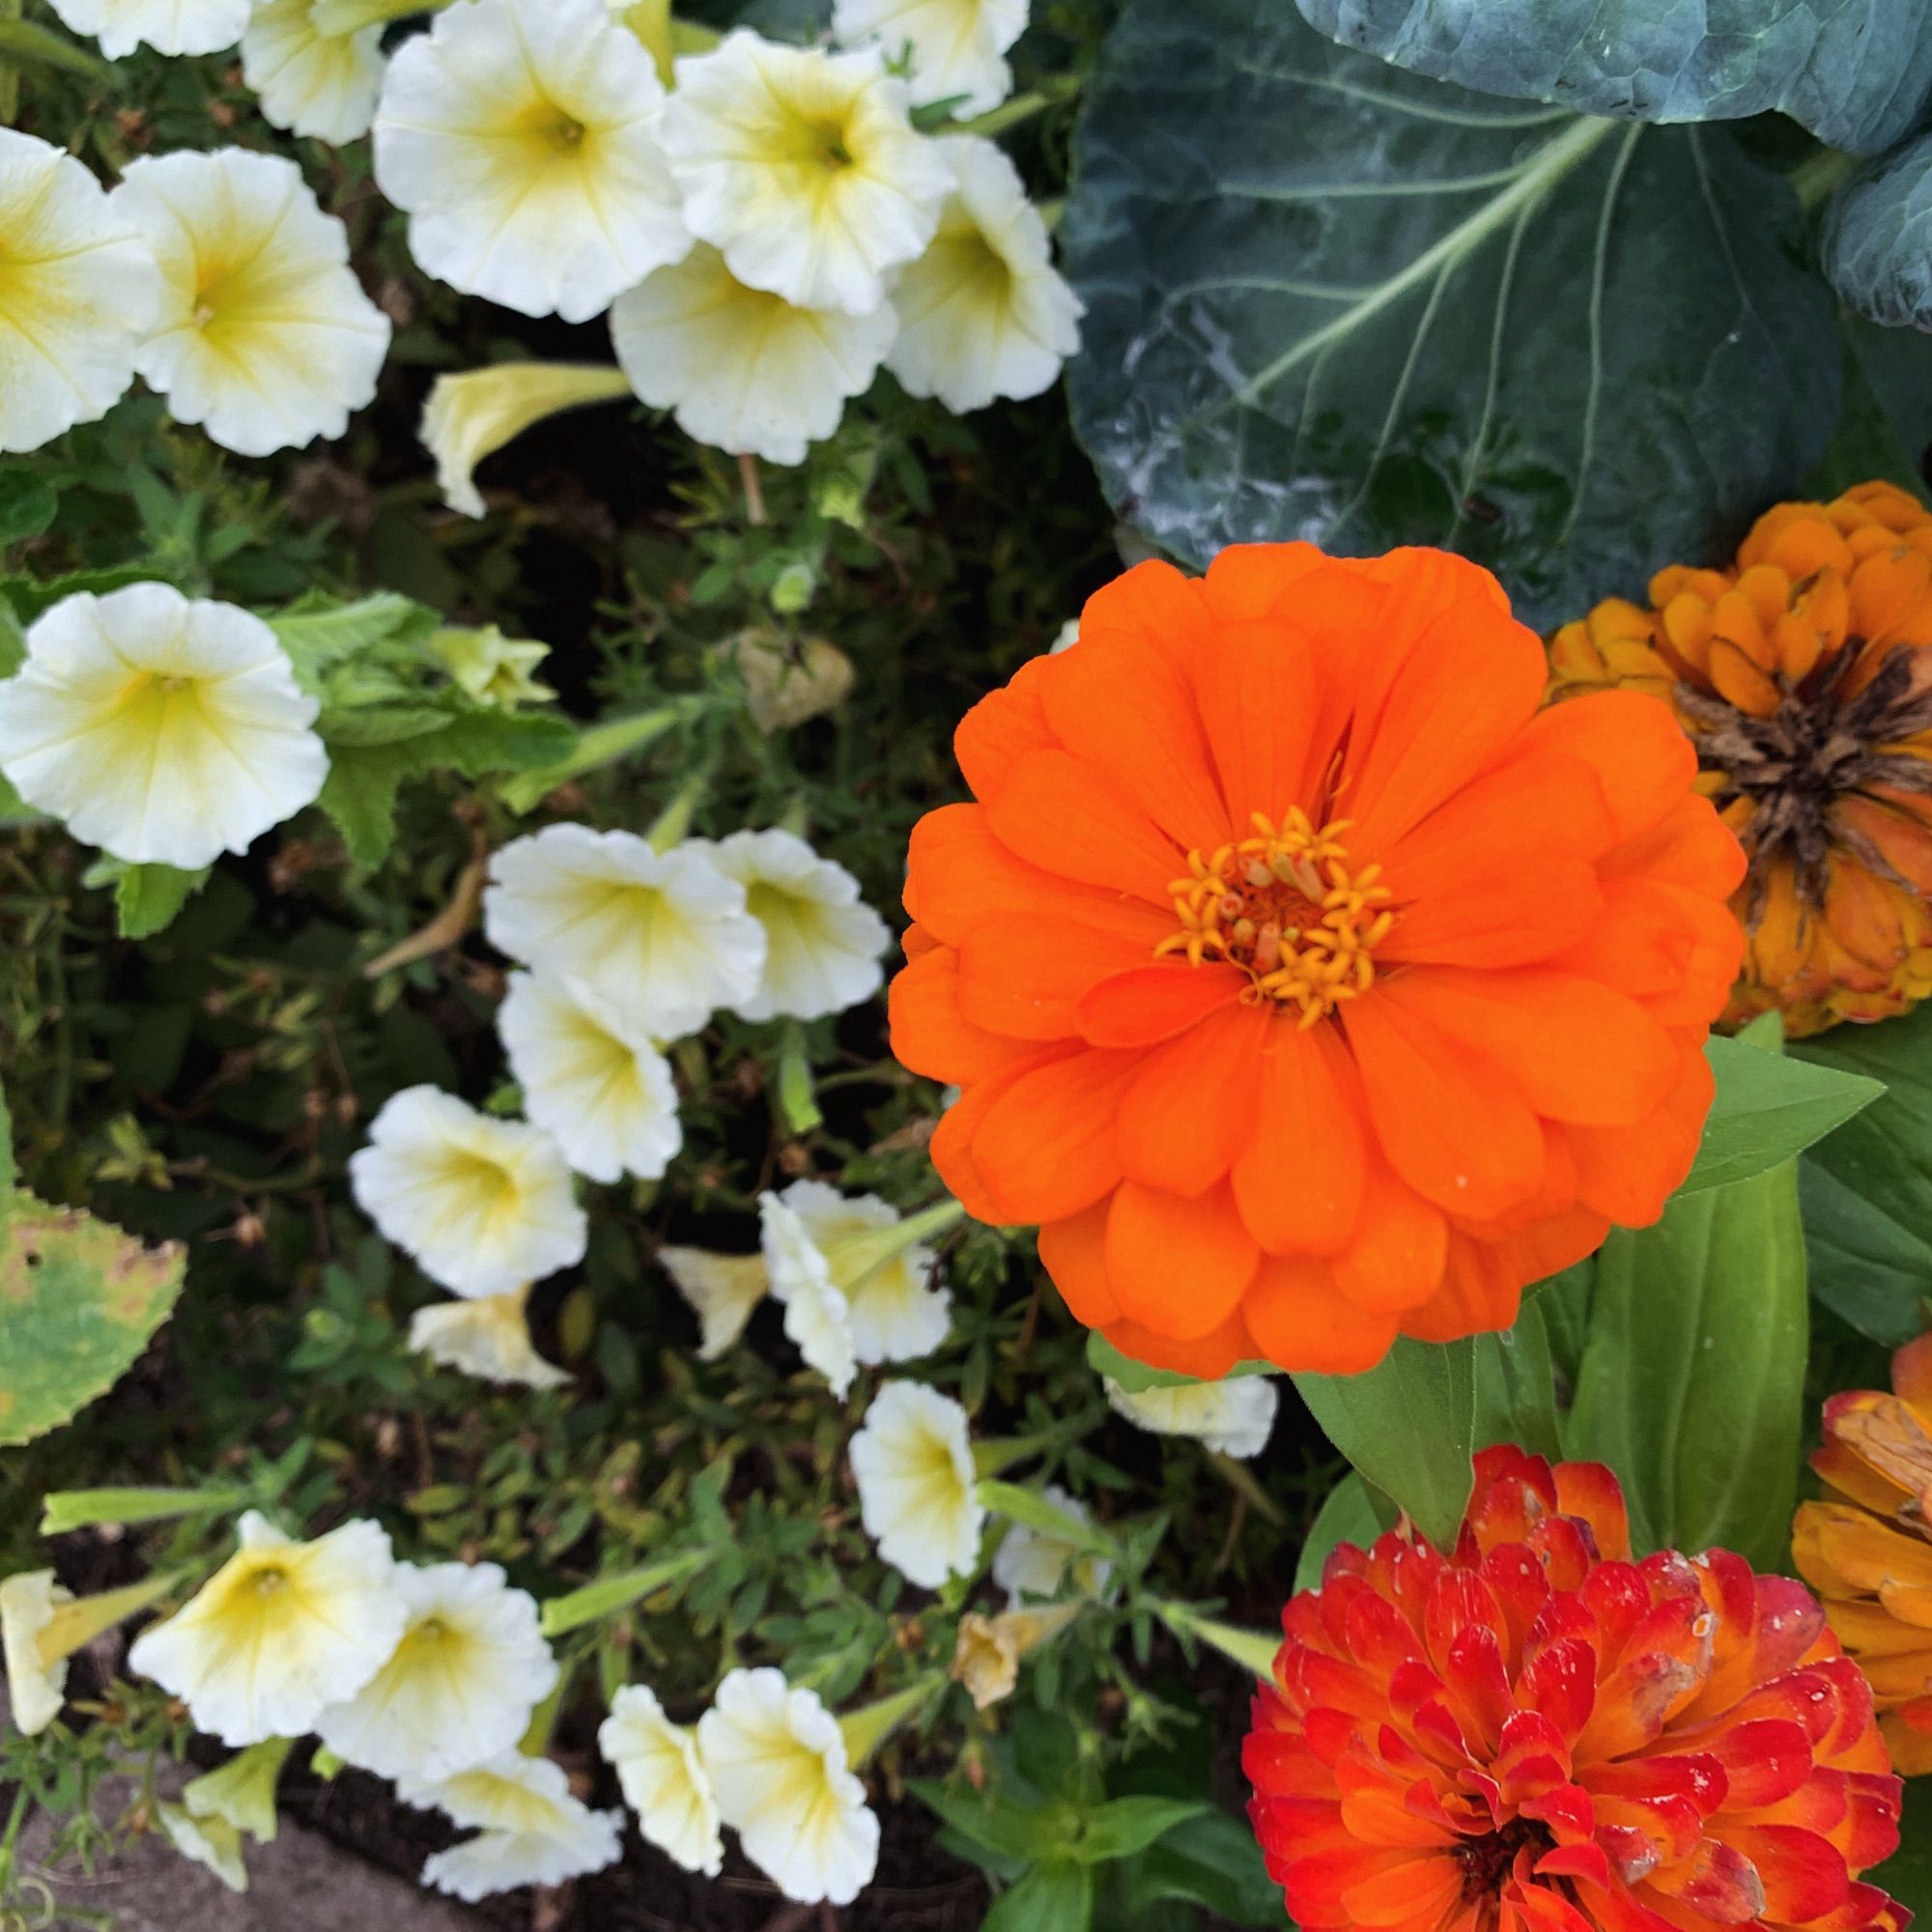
<point x="1802" y="672"/>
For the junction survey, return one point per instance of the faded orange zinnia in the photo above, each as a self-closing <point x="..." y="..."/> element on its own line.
<point x="1536" y="1734"/>
<point x="1867" y="1549"/>
<point x="1802" y="674"/>
<point x="1305" y="980"/>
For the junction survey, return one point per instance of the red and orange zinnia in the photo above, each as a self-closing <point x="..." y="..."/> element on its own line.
<point x="1535" y="1733"/>
<point x="1304" y="980"/>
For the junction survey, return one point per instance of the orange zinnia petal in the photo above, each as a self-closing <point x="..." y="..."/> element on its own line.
<point x="1300" y="1319"/>
<point x="1395" y="1259"/>
<point x="1000" y="730"/>
<point x="1633" y="735"/>
<point x="1045" y="1145"/>
<point x="1148" y="1004"/>
<point x="930" y="1035"/>
<point x="1190" y="1111"/>
<point x="1026" y="976"/>
<point x="1178" y="1266"/>
<point x="1074" y="1254"/>
<point x="1299" y="1180"/>
<point x="1061" y="814"/>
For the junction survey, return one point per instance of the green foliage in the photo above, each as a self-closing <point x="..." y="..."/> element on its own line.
<point x="1770" y="1107"/>
<point x="1878" y="238"/>
<point x="1328" y="300"/>
<point x="1104" y="1360"/>
<point x="147" y="899"/>
<point x="1349" y="1516"/>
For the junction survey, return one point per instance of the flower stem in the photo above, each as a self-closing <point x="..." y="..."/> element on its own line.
<point x="796" y="1104"/>
<point x="600" y="744"/>
<point x="1252" y="1650"/>
<point x="1023" y="106"/>
<point x="610" y="1594"/>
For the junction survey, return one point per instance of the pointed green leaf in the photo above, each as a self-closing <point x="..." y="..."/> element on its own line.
<point x="1346" y="1517"/>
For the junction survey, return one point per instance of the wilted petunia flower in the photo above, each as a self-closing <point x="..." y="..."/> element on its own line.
<point x="1866" y="1550"/>
<point x="1803" y="676"/>
<point x="264" y="335"/>
<point x="169" y="26"/>
<point x="957" y="47"/>
<point x="475" y="414"/>
<point x="590" y="1078"/>
<point x="822" y="943"/>
<point x="323" y="85"/>
<point x="664" y="1781"/>
<point x="1159" y="956"/>
<point x="484" y="1206"/>
<point x="803" y="169"/>
<point x="983" y="313"/>
<point x="722" y="1290"/>
<point x="163" y="729"/>
<point x="918" y="1489"/>
<point x="490" y="669"/>
<point x="279" y="1632"/>
<point x="1536" y="1730"/>
<point x="530" y="1830"/>
<point x="778" y="1763"/>
<point x="1233" y="1417"/>
<point x="664" y="936"/>
<point x="459" y="1689"/>
<point x="83" y="288"/>
<point x="742" y="369"/>
<point x="521" y="137"/>
<point x="989" y="1651"/>
<point x="487" y="1336"/>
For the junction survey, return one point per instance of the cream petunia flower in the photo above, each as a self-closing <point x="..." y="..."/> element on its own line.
<point x="475" y="414"/>
<point x="279" y="1632"/>
<point x="1233" y="1417"/>
<point x="77" y="288"/>
<point x="211" y="1841"/>
<point x="722" y="1290"/>
<point x="488" y="1337"/>
<point x="521" y="137"/>
<point x="983" y="313"/>
<point x="870" y="1254"/>
<point x="164" y="730"/>
<point x="664" y="1777"/>
<point x="590" y="1078"/>
<point x="532" y="1832"/>
<point x="1035" y="1563"/>
<point x="741" y="369"/>
<point x="822" y="946"/>
<point x="324" y="85"/>
<point x="918" y="1490"/>
<point x="459" y="1689"/>
<point x="957" y="45"/>
<point x="817" y="1316"/>
<point x="664" y="936"/>
<point x="169" y="26"/>
<point x="485" y="1205"/>
<point x="264" y="335"/>
<point x="36" y="1687"/>
<point x="778" y="1763"/>
<point x="802" y="168"/>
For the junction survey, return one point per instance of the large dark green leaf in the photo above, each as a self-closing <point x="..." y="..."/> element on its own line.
<point x="1768" y="1108"/>
<point x="1329" y="300"/>
<point x="1691" y="1387"/>
<point x="1878" y="238"/>
<point x="1858" y="76"/>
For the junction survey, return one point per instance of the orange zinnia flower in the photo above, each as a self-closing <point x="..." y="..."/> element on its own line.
<point x="1867" y="1548"/>
<point x="1536" y="1734"/>
<point x="1803" y="675"/>
<point x="1305" y="982"/>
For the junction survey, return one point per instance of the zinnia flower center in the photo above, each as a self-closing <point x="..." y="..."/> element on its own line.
<point x="1490" y="1862"/>
<point x="1285" y="906"/>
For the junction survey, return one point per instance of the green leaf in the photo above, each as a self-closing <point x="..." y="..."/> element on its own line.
<point x="1691" y="1387"/>
<point x="1877" y="243"/>
<point x="1858" y="76"/>
<point x="1346" y="1517"/>
<point x="319" y="634"/>
<point x="1907" y="1875"/>
<point x="1104" y="1360"/>
<point x="1867" y="1190"/>
<point x="1028" y="1506"/>
<point x="1125" y="1825"/>
<point x="30" y="598"/>
<point x="1057" y="1897"/>
<point x="1007" y="1830"/>
<point x="1768" y="1108"/>
<point x="78" y="1302"/>
<point x="147" y="899"/>
<point x="1328" y="300"/>
<point x="27" y="43"/>
<point x="28" y="505"/>
<point x="1213" y="1861"/>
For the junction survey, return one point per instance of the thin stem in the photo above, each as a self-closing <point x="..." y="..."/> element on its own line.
<point x="755" y="490"/>
<point x="1023" y="106"/>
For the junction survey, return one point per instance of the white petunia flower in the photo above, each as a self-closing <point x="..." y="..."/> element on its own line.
<point x="744" y="370"/>
<point x="1036" y="1563"/>
<point x="532" y="1832"/>
<point x="521" y="137"/>
<point x="590" y="1078"/>
<point x="485" y="1205"/>
<point x="918" y="1489"/>
<point x="35" y="1685"/>
<point x="323" y="85"/>
<point x="1233" y="1417"/>
<point x="817" y="1316"/>
<point x="778" y="1763"/>
<point x="169" y="26"/>
<point x="488" y="1337"/>
<point x="459" y="1689"/>
<point x="664" y="936"/>
<point x="823" y="944"/>
<point x="722" y="1290"/>
<point x="164" y="730"/>
<point x="869" y="1252"/>
<point x="81" y="289"/>
<point x="802" y="168"/>
<point x="664" y="1777"/>
<point x="210" y="1841"/>
<point x="474" y="415"/>
<point x="279" y="1632"/>
<point x="264" y="335"/>
<point x="957" y="45"/>
<point x="983" y="313"/>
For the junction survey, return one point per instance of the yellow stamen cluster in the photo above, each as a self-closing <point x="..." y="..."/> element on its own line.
<point x="1284" y="907"/>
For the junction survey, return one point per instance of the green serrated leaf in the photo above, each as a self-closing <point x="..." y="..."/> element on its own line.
<point x="1769" y="1107"/>
<point x="78" y="1302"/>
<point x="148" y="899"/>
<point x="318" y="634"/>
<point x="1329" y="300"/>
